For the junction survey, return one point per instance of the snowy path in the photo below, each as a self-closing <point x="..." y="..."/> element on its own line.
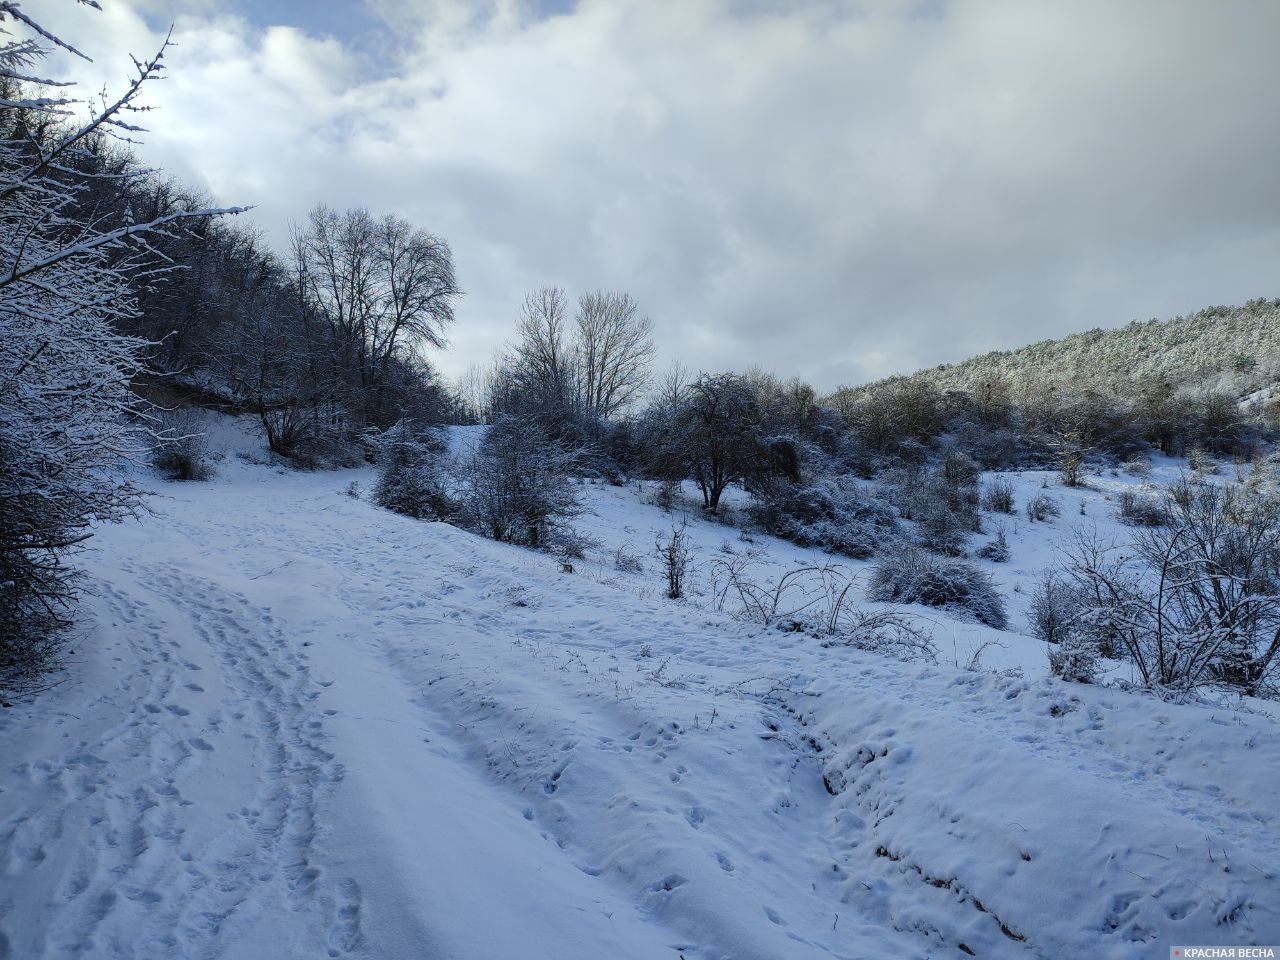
<point x="299" y="726"/>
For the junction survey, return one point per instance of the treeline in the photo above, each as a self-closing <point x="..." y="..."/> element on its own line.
<point x="1004" y="425"/>
<point x="321" y="341"/>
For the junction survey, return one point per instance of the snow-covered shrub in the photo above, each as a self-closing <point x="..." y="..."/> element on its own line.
<point x="1070" y="463"/>
<point x="627" y="561"/>
<point x="1192" y="601"/>
<point x="941" y="525"/>
<point x="997" y="497"/>
<point x="1054" y="606"/>
<point x="1138" y="466"/>
<point x="886" y="632"/>
<point x="569" y="544"/>
<point x="1075" y="659"/>
<point x="666" y="495"/>
<point x="995" y="448"/>
<point x="1199" y="460"/>
<point x="180" y="449"/>
<point x="959" y="469"/>
<point x="911" y="574"/>
<point x="1139" y="510"/>
<point x="997" y="550"/>
<point x="833" y="513"/>
<point x="944" y="514"/>
<point x="1041" y="507"/>
<point x="413" y="478"/>
<point x="518" y="486"/>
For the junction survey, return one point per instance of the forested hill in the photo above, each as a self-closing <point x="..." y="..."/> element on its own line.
<point x="1236" y="349"/>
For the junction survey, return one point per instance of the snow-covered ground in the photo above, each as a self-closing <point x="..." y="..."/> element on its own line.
<point x="296" y="725"/>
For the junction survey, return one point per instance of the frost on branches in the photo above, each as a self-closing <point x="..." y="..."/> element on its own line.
<point x="68" y="418"/>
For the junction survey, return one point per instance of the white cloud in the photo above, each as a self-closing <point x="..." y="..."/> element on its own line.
<point x="843" y="191"/>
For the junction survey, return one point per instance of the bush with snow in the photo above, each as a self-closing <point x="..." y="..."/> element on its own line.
<point x="675" y="556"/>
<point x="180" y="449"/>
<point x="885" y="632"/>
<point x="1041" y="507"/>
<point x="413" y="478"/>
<point x="1140" y="510"/>
<point x="832" y="513"/>
<point x="1194" y="600"/>
<point x="911" y="574"/>
<point x="997" y="549"/>
<point x="997" y="497"/>
<point x="945" y="513"/>
<point x="518" y="486"/>
<point x="1076" y="658"/>
<point x="1054" y="606"/>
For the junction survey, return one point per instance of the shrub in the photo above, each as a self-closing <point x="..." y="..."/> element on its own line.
<point x="675" y="555"/>
<point x="1138" y="466"/>
<point x="1200" y="462"/>
<point x="1140" y="511"/>
<point x="517" y="487"/>
<point x="1054" y="606"/>
<point x="1041" y="507"/>
<point x="959" y="470"/>
<point x="626" y="561"/>
<point x="1075" y="659"/>
<point x="666" y="495"/>
<point x="832" y="513"/>
<point x="997" y="550"/>
<point x="1194" y="600"/>
<point x="568" y="543"/>
<point x="944" y="514"/>
<point x="909" y="574"/>
<point x="180" y="449"/>
<point x="886" y="632"/>
<point x="998" y="497"/>
<point x="413" y="479"/>
<point x="995" y="448"/>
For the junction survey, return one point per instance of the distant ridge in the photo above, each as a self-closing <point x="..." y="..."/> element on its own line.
<point x="1236" y="349"/>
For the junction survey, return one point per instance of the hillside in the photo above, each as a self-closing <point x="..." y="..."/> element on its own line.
<point x="298" y="725"/>
<point x="1231" y="348"/>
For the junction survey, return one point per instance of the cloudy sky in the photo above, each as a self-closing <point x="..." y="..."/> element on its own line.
<point x="839" y="190"/>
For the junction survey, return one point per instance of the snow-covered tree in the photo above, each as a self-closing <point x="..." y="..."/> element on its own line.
<point x="68" y="417"/>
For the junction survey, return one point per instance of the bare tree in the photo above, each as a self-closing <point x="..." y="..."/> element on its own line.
<point x="385" y="288"/>
<point x="593" y="366"/>
<point x="613" y="350"/>
<point x="543" y="356"/>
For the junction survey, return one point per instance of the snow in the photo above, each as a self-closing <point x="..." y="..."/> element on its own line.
<point x="296" y="725"/>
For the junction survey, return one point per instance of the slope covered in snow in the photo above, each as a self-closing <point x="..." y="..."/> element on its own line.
<point x="297" y="725"/>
